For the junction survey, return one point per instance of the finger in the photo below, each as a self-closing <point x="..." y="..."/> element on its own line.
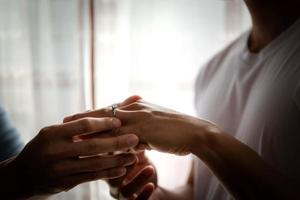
<point x="87" y="126"/>
<point x="71" y="181"/>
<point x="135" y="169"/>
<point x="138" y="182"/>
<point x="70" y="117"/>
<point x="103" y="134"/>
<point x="142" y="147"/>
<point x="115" y="184"/>
<point x="97" y="146"/>
<point x="132" y="171"/>
<point x="130" y="100"/>
<point x="146" y="192"/>
<point x="91" y="164"/>
<point x="103" y="112"/>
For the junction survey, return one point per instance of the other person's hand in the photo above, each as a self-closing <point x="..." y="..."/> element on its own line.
<point x="53" y="161"/>
<point x="160" y="128"/>
<point x="138" y="183"/>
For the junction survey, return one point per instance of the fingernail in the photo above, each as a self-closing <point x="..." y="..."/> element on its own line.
<point x="132" y="140"/>
<point x="116" y="123"/>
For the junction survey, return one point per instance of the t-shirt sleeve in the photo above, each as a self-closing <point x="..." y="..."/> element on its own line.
<point x="10" y="141"/>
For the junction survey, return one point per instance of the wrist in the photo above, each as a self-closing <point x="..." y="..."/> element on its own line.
<point x="204" y="138"/>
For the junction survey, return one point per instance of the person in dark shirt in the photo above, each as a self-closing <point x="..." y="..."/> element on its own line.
<point x="62" y="156"/>
<point x="10" y="141"/>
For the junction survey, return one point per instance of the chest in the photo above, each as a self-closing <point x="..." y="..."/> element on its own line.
<point x="250" y="102"/>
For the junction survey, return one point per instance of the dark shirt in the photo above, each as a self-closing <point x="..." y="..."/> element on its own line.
<point x="10" y="141"/>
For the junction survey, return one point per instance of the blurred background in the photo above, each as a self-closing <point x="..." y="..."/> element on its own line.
<point x="59" y="57"/>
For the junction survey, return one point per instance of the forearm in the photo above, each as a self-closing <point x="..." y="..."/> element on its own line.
<point x="240" y="169"/>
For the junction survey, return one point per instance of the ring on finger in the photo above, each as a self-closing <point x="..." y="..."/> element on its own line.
<point x="114" y="109"/>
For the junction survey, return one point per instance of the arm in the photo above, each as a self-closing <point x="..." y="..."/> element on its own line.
<point x="241" y="170"/>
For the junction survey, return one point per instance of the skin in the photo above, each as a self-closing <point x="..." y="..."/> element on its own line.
<point x="139" y="181"/>
<point x="241" y="170"/>
<point x="62" y="156"/>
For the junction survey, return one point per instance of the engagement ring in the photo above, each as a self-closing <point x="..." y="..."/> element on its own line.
<point x="113" y="109"/>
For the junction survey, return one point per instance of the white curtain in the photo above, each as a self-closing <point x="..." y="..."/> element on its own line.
<point x="149" y="47"/>
<point x="43" y="53"/>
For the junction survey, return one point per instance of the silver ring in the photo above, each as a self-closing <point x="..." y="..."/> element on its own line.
<point x="114" y="109"/>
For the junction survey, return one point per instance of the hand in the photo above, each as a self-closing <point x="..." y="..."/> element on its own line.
<point x="138" y="183"/>
<point x="52" y="162"/>
<point x="160" y="128"/>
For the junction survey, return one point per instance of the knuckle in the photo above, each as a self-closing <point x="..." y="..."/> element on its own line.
<point x="45" y="131"/>
<point x="75" y="116"/>
<point x="108" y="122"/>
<point x="86" y="124"/>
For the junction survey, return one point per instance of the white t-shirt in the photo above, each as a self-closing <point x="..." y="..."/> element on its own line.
<point x="255" y="98"/>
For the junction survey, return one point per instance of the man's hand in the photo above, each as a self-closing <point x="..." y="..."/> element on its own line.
<point x="138" y="183"/>
<point x="54" y="161"/>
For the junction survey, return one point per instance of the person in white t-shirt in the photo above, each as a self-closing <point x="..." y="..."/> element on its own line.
<point x="249" y="94"/>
